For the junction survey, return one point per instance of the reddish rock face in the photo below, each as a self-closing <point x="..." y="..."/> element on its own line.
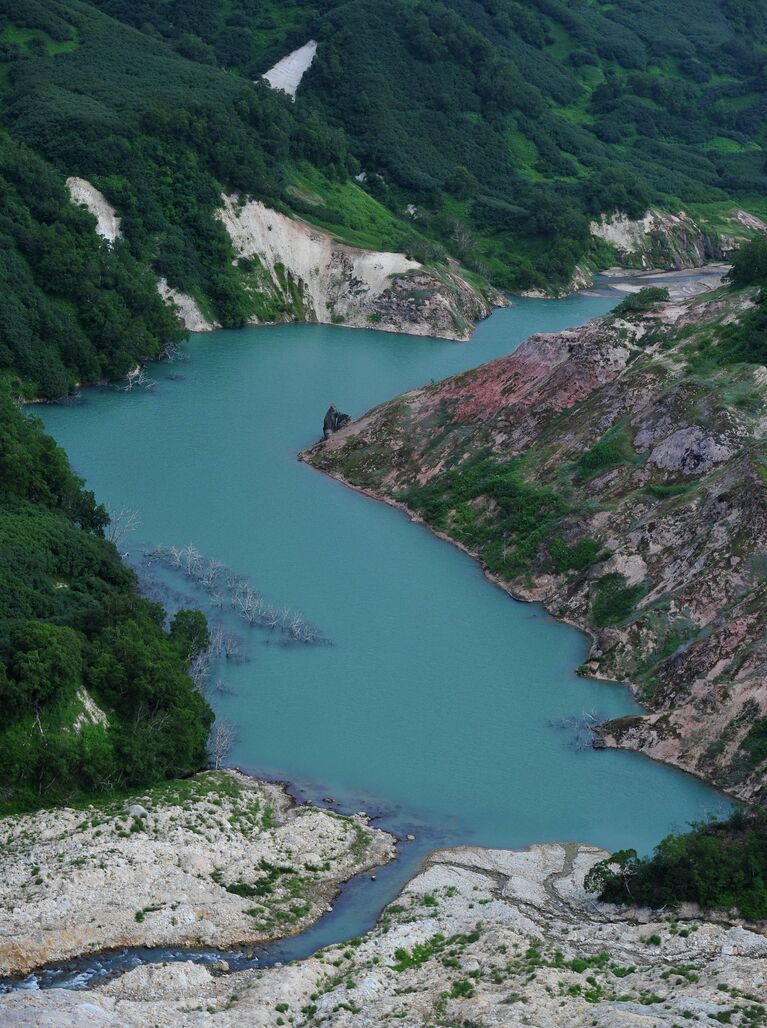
<point x="663" y="469"/>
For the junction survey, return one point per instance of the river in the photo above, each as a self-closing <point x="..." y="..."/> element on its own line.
<point x="442" y="707"/>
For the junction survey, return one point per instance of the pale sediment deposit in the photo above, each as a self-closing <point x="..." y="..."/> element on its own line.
<point x="478" y="937"/>
<point x="86" y="195"/>
<point x="215" y="860"/>
<point x="187" y="308"/>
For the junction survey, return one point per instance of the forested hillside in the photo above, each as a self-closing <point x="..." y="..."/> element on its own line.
<point x="510" y="125"/>
<point x="94" y="692"/>
<point x="491" y="131"/>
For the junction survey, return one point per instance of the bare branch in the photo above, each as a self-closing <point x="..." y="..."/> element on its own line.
<point x="223" y="736"/>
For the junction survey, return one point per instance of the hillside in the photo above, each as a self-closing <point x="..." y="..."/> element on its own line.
<point x="617" y="473"/>
<point x="95" y="692"/>
<point x="501" y="136"/>
<point x="506" y="125"/>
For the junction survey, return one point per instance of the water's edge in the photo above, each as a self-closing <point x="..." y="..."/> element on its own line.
<point x="365" y="896"/>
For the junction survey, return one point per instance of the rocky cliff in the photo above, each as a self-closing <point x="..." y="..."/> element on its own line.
<point x="310" y="276"/>
<point x="673" y="241"/>
<point x="295" y="272"/>
<point x="612" y="475"/>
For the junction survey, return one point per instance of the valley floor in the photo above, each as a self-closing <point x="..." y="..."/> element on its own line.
<point x="478" y="937"/>
<point x="216" y="860"/>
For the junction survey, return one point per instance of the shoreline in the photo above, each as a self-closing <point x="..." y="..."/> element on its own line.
<point x="567" y="958"/>
<point x="599" y="742"/>
<point x="222" y="859"/>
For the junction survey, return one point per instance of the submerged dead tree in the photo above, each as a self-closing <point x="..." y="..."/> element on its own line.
<point x="121" y="522"/>
<point x="229" y="589"/>
<point x="582" y="728"/>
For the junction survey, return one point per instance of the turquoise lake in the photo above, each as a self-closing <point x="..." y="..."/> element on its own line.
<point x="436" y="706"/>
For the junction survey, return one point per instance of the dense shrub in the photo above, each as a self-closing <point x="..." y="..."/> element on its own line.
<point x="612" y="450"/>
<point x="719" y="865"/>
<point x="613" y="600"/>
<point x="749" y="265"/>
<point x="71" y="624"/>
<point x="522" y="513"/>
<point x="644" y="300"/>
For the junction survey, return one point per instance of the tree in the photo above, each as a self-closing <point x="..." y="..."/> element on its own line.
<point x="461" y="182"/>
<point x="749" y="266"/>
<point x="45" y="663"/>
<point x="222" y="739"/>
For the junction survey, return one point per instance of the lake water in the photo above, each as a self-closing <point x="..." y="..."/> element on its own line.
<point x="436" y="706"/>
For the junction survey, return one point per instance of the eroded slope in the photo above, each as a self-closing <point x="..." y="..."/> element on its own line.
<point x="621" y="479"/>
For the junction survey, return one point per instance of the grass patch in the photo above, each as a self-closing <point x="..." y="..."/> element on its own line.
<point x="612" y="450"/>
<point x="613" y="600"/>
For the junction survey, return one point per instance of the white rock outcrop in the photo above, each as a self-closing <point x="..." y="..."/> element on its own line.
<point x="478" y="937"/>
<point x="287" y="73"/>
<point x="321" y="279"/>
<point x="187" y="308"/>
<point x="190" y="863"/>
<point x="86" y="195"/>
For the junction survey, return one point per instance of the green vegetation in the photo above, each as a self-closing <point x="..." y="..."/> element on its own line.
<point x="72" y="308"/>
<point x="755" y="742"/>
<point x="578" y="557"/>
<point x="523" y="513"/>
<point x="644" y="300"/>
<point x="162" y="136"/>
<point x="613" y="449"/>
<point x="749" y="266"/>
<point x="719" y="865"/>
<point x="613" y="600"/>
<point x="437" y="945"/>
<point x="503" y="128"/>
<point x="94" y="691"/>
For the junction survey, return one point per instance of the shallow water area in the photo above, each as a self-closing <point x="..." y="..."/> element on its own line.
<point x="440" y="705"/>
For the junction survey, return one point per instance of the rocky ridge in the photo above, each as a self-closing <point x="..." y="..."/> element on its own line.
<point x="478" y="937"/>
<point x="216" y="860"/>
<point x="592" y="470"/>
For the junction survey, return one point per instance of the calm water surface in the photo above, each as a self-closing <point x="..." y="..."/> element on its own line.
<point x="436" y="707"/>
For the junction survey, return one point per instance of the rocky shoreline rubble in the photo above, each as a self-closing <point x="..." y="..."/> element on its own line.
<point x="478" y="937"/>
<point x="216" y="860"/>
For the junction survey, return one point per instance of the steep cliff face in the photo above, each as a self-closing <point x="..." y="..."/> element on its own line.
<point x="673" y="241"/>
<point x="309" y="276"/>
<point x="295" y="272"/>
<point x="597" y="471"/>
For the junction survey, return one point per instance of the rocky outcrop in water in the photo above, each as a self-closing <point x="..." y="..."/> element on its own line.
<point x="479" y="937"/>
<point x="594" y="471"/>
